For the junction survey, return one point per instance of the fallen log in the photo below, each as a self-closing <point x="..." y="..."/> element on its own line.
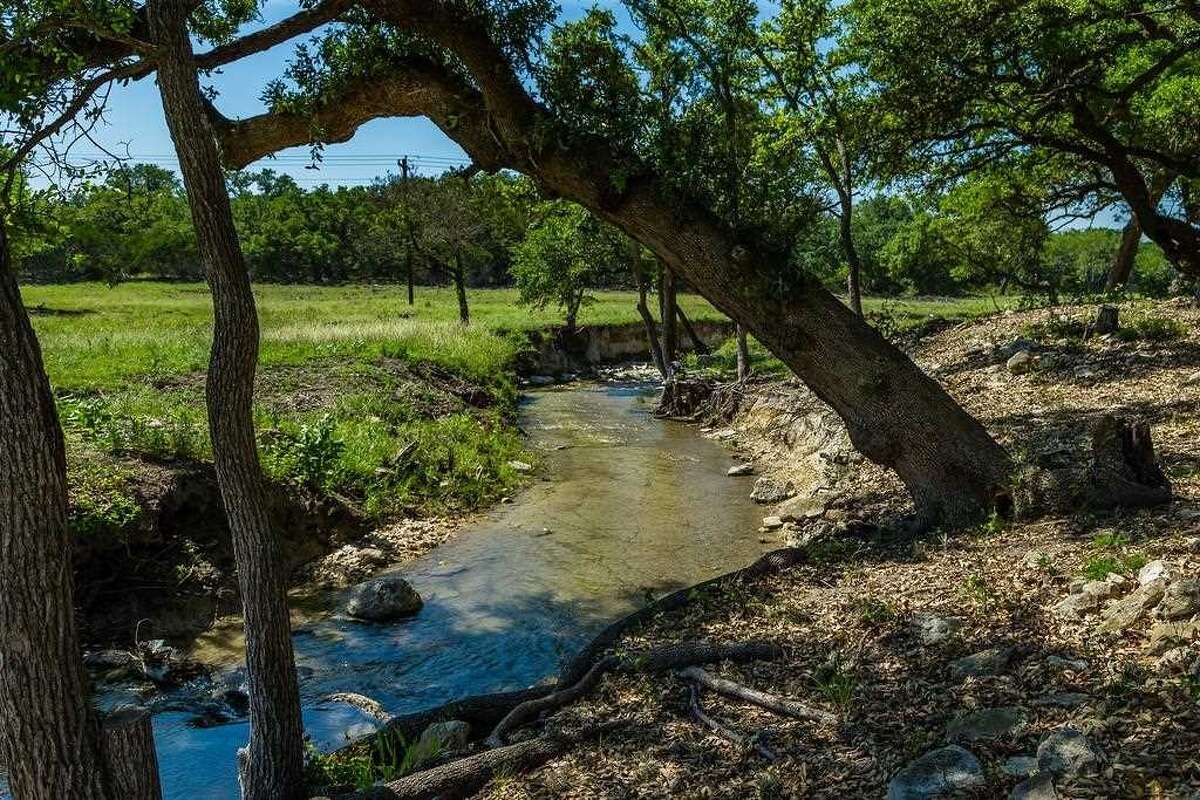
<point x="765" y="700"/>
<point x="660" y="659"/>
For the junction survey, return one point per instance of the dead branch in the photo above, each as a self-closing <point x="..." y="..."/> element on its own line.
<point x="770" y="702"/>
<point x="728" y="734"/>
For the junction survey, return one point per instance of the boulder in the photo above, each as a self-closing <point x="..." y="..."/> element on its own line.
<point x="987" y="723"/>
<point x="1174" y="662"/>
<point x="1020" y="363"/>
<point x="1090" y="597"/>
<point x="932" y="629"/>
<point x="1166" y="635"/>
<point x="1123" y="613"/>
<point x="740" y="470"/>
<point x="1072" y="664"/>
<point x="1180" y="601"/>
<point x="983" y="664"/>
<point x="769" y="490"/>
<point x="383" y="600"/>
<point x="772" y="523"/>
<point x="1020" y="766"/>
<point x="448" y="736"/>
<point x="939" y="773"/>
<point x="1068" y="753"/>
<point x="1153" y="571"/>
<point x="1038" y="787"/>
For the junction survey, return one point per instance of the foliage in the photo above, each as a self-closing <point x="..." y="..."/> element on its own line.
<point x="563" y="254"/>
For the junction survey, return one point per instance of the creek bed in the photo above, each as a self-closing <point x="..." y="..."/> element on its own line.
<point x="631" y="507"/>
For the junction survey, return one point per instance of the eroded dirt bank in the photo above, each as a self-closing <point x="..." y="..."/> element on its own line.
<point x="1056" y="658"/>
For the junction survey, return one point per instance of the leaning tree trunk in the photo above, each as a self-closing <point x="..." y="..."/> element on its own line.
<point x="1121" y="268"/>
<point x="895" y="414"/>
<point x="49" y="737"/>
<point x="272" y="765"/>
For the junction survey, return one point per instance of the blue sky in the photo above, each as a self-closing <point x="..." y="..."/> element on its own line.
<point x="135" y="123"/>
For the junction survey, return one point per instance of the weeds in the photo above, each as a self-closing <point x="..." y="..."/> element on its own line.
<point x="1151" y="329"/>
<point x="836" y="682"/>
<point x="874" y="611"/>
<point x="1113" y="555"/>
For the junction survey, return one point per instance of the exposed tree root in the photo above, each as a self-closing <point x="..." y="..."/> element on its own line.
<point x="770" y="563"/>
<point x="726" y="733"/>
<point x="530" y="710"/>
<point x="464" y="777"/>
<point x="660" y="659"/>
<point x="770" y="702"/>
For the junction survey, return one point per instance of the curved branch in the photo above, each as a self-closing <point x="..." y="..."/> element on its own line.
<point x="419" y="88"/>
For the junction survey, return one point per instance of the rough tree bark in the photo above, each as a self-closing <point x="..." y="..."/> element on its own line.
<point x="895" y="414"/>
<point x="1131" y="237"/>
<point x="272" y="765"/>
<point x="49" y="736"/>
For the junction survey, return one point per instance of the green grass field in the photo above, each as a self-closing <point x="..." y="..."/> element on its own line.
<point x="339" y="408"/>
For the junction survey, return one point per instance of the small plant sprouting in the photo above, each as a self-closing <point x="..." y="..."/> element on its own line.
<point x="836" y="681"/>
<point x="874" y="611"/>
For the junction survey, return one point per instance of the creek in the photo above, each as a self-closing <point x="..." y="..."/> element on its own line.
<point x="631" y="507"/>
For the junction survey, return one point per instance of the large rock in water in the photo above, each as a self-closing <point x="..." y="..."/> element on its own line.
<point x="939" y="773"/>
<point x="383" y="600"/>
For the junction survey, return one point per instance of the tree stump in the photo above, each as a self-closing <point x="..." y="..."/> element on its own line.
<point x="127" y="742"/>
<point x="1106" y="322"/>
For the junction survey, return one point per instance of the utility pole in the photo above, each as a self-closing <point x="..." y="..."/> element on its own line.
<point x="408" y="230"/>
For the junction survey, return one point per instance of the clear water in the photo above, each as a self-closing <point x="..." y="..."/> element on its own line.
<point x="633" y="507"/>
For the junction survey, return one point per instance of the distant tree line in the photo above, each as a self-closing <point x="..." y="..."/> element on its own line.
<point x="491" y="230"/>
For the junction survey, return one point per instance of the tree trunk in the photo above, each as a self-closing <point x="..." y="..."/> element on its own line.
<point x="460" y="289"/>
<point x="1131" y="237"/>
<point x="670" y="328"/>
<point x="697" y="343"/>
<point x="129" y="757"/>
<point x="409" y="265"/>
<point x="48" y="732"/>
<point x="272" y="765"/>
<point x="647" y="318"/>
<point x="743" y="354"/>
<point x="853" y="262"/>
<point x="894" y="413"/>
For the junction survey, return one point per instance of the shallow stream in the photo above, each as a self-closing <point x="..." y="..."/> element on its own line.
<point x="631" y="507"/>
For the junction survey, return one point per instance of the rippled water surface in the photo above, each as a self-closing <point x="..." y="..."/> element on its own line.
<point x="633" y="506"/>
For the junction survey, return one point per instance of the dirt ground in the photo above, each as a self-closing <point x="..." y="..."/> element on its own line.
<point x="875" y="623"/>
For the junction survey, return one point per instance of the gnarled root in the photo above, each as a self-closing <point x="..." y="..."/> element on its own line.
<point x="660" y="659"/>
